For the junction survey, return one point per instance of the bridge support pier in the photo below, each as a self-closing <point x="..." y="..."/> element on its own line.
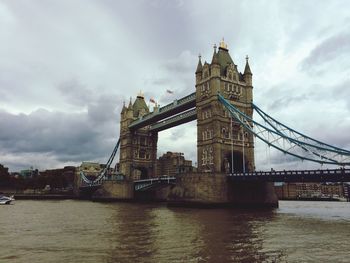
<point x="115" y="191"/>
<point x="216" y="190"/>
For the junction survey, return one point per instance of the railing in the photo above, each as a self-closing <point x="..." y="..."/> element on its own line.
<point x="141" y="185"/>
<point x="179" y="102"/>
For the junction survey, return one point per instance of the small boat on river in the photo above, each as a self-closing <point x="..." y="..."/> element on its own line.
<point x="6" y="200"/>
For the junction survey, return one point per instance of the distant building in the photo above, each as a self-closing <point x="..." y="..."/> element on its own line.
<point x="173" y="163"/>
<point x="61" y="176"/>
<point x="92" y="170"/>
<point x="311" y="190"/>
<point x="4" y="171"/>
<point x="29" y="173"/>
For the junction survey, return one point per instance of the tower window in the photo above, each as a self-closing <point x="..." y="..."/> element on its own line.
<point x="142" y="154"/>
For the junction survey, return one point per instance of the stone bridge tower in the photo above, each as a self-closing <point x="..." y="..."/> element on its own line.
<point x="222" y="144"/>
<point x="138" y="148"/>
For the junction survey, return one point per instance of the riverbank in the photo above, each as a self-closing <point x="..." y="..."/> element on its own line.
<point x="328" y="199"/>
<point x="44" y="196"/>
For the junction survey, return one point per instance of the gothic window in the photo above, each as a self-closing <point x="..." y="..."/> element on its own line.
<point x="207" y="134"/>
<point x="205" y="89"/>
<point x="225" y="133"/>
<point x="210" y="155"/>
<point x="136" y="153"/>
<point x="206" y="113"/>
<point x="232" y="91"/>
<point x="147" y="155"/>
<point x="205" y="72"/>
<point x="142" y="154"/>
<point x="143" y="141"/>
<point x="207" y="156"/>
<point x="234" y="135"/>
<point x="204" y="157"/>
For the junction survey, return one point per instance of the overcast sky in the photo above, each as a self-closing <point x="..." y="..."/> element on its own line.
<point x="67" y="66"/>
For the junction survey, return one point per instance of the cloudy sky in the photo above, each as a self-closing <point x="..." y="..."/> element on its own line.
<point x="67" y="66"/>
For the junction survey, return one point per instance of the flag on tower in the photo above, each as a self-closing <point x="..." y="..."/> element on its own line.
<point x="152" y="100"/>
<point x="170" y="91"/>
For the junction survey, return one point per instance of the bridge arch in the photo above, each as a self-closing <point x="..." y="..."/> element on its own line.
<point x="141" y="172"/>
<point x="237" y="158"/>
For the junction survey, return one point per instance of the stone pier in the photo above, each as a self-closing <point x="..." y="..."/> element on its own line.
<point x="216" y="190"/>
<point x="115" y="191"/>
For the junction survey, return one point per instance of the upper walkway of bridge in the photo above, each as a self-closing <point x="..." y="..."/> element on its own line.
<point x="171" y="109"/>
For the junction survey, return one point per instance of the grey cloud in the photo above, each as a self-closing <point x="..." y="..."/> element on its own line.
<point x="334" y="132"/>
<point x="330" y="49"/>
<point x="164" y="27"/>
<point x="75" y="92"/>
<point x="105" y="109"/>
<point x="342" y="92"/>
<point x="286" y="101"/>
<point x="72" y="137"/>
<point x="70" y="61"/>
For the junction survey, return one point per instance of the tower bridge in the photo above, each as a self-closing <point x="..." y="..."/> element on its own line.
<point x="222" y="104"/>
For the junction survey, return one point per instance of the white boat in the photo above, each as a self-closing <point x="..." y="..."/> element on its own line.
<point x="6" y="200"/>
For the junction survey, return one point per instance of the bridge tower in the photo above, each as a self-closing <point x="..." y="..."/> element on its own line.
<point x="138" y="148"/>
<point x="222" y="144"/>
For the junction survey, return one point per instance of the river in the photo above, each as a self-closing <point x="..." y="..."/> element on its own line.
<point x="83" y="231"/>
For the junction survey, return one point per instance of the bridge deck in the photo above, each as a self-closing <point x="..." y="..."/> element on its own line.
<point x="167" y="111"/>
<point x="181" y="118"/>
<point x="334" y="175"/>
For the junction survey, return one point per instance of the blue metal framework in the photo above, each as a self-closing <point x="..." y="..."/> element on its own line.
<point x="98" y="180"/>
<point x="287" y="140"/>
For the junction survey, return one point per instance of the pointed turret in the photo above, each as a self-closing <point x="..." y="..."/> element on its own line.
<point x="199" y="66"/>
<point x="247" y="68"/>
<point x="140" y="107"/>
<point x="224" y="58"/>
<point x="199" y="69"/>
<point x="124" y="108"/>
<point x="247" y="75"/>
<point x="215" y="65"/>
<point x="215" y="59"/>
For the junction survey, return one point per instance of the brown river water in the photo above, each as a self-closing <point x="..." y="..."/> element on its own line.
<point x="83" y="231"/>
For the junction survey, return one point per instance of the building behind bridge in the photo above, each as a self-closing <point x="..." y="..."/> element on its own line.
<point x="294" y="191"/>
<point x="174" y="163"/>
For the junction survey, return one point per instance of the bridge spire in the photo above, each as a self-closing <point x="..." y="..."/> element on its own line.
<point x="223" y="45"/>
<point x="215" y="59"/>
<point x="199" y="66"/>
<point x="247" y="68"/>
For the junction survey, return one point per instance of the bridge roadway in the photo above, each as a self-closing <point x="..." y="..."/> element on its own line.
<point x="296" y="176"/>
<point x="176" y="107"/>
